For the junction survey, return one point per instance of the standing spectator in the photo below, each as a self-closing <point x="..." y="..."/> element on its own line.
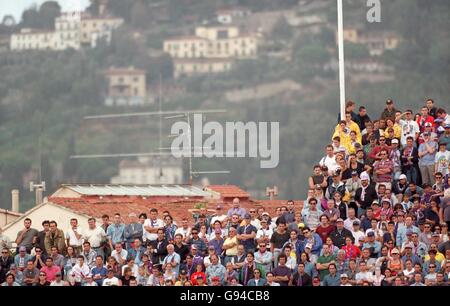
<point x="410" y="128"/>
<point x="324" y="261"/>
<point x="427" y="154"/>
<point x="384" y="169"/>
<point x="55" y="237"/>
<point x="236" y="209"/>
<point x="115" y="231"/>
<point x="5" y="242"/>
<point x="133" y="230"/>
<point x="96" y="236"/>
<point x="106" y="247"/>
<point x="278" y="239"/>
<point x="442" y="160"/>
<point x="312" y="215"/>
<point x="246" y="234"/>
<point x="27" y="236"/>
<point x="184" y="230"/>
<point x="325" y="228"/>
<point x="74" y="236"/>
<point x="152" y="225"/>
<point x="389" y="111"/>
<point x="362" y="118"/>
<point x="365" y="195"/>
<point x="424" y="118"/>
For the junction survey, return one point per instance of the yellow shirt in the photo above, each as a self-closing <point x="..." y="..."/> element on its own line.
<point x="439" y="257"/>
<point x="397" y="131"/>
<point x="232" y="251"/>
<point x="353" y="126"/>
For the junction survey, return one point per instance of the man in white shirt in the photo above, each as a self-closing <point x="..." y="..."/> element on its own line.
<point x="363" y="274"/>
<point x="219" y="215"/>
<point x="329" y="160"/>
<point x="264" y="234"/>
<point x="184" y="230"/>
<point x="95" y="235"/>
<point x="152" y="225"/>
<point x="74" y="236"/>
<point x="110" y="279"/>
<point x="358" y="234"/>
<point x="409" y="127"/>
<point x="348" y="223"/>
<point x="120" y="254"/>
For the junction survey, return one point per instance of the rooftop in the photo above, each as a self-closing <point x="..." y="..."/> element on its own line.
<point x="228" y="191"/>
<point x="129" y="190"/>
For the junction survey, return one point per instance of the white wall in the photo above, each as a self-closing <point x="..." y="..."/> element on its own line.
<point x="46" y="211"/>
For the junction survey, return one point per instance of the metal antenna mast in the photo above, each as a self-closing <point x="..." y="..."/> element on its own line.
<point x="175" y="114"/>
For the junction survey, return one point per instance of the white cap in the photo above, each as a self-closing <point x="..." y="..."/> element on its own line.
<point x="402" y="177"/>
<point x="364" y="176"/>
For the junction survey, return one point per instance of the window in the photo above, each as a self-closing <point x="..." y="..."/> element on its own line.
<point x="135" y="79"/>
<point x="222" y="34"/>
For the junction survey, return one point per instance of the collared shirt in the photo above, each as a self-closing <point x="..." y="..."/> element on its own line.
<point x="116" y="233"/>
<point x="94" y="236"/>
<point x="215" y="271"/>
<point x="331" y="280"/>
<point x="174" y="257"/>
<point x="238" y="211"/>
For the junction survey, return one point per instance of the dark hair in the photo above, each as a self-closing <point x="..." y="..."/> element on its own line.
<point x="91" y="219"/>
<point x="54" y="222"/>
<point x="440" y="111"/>
<point x="362" y="108"/>
<point x="117" y="214"/>
<point x="43" y="222"/>
<point x="154" y="210"/>
<point x="105" y="216"/>
<point x="143" y="215"/>
<point x="87" y="242"/>
<point x="282" y="256"/>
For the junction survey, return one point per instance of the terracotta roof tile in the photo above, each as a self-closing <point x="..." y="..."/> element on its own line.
<point x="229" y="191"/>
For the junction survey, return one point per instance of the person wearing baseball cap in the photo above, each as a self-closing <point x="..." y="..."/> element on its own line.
<point x="340" y="233"/>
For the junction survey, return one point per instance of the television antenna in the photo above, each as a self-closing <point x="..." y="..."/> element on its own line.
<point x="170" y="115"/>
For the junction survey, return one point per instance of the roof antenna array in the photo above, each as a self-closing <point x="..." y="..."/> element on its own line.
<point x="169" y="115"/>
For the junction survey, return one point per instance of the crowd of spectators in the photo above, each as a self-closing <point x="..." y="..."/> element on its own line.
<point x="377" y="214"/>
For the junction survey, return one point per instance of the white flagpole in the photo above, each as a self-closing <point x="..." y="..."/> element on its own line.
<point x="341" y="58"/>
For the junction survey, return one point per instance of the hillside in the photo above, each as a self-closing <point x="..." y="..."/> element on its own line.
<point x="45" y="94"/>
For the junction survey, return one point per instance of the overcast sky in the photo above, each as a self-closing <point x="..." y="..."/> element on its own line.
<point x="16" y="7"/>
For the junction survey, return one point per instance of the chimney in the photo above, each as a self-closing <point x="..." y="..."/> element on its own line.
<point x="39" y="195"/>
<point x="102" y="7"/>
<point x="15" y="200"/>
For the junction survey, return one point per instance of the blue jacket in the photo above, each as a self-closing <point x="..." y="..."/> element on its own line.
<point x="252" y="282"/>
<point x="317" y="247"/>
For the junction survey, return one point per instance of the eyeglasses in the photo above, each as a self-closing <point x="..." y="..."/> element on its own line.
<point x="42" y="274"/>
<point x="194" y="233"/>
<point x="37" y="251"/>
<point x="5" y="252"/>
<point x="262" y="246"/>
<point x="305" y="232"/>
<point x="252" y="211"/>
